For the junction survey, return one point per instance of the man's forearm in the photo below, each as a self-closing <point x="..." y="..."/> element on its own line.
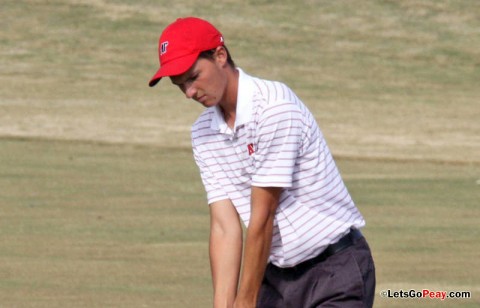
<point x="225" y="259"/>
<point x="257" y="250"/>
<point x="225" y="252"/>
<point x="258" y="243"/>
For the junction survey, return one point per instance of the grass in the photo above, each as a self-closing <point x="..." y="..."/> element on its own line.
<point x="101" y="204"/>
<point x="422" y="226"/>
<point x="95" y="225"/>
<point x="89" y="225"/>
<point x="386" y="79"/>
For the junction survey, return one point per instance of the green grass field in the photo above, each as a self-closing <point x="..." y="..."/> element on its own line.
<point x="101" y="204"/>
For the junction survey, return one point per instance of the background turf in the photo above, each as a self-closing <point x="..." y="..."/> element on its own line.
<point x="101" y="204"/>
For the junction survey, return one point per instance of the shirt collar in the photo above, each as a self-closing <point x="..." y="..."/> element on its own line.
<point x="244" y="106"/>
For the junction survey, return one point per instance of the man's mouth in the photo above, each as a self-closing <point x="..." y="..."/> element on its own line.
<point x="202" y="99"/>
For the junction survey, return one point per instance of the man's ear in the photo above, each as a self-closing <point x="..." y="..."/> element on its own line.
<point x="221" y="56"/>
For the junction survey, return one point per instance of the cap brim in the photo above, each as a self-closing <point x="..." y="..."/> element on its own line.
<point x="174" y="67"/>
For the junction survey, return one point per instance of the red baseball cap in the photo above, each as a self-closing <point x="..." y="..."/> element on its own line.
<point x="180" y="44"/>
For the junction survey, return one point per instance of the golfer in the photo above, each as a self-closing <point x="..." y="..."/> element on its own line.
<point x="263" y="160"/>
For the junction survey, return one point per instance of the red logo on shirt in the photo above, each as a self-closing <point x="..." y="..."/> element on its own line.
<point x="251" y="150"/>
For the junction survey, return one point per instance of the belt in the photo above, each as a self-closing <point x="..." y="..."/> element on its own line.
<point x="346" y="241"/>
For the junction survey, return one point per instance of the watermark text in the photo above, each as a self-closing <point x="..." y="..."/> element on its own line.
<point x="425" y="293"/>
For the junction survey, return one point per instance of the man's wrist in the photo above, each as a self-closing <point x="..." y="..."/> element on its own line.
<point x="246" y="300"/>
<point x="223" y="301"/>
<point x="248" y="294"/>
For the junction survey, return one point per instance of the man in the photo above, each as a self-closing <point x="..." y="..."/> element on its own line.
<point x="263" y="160"/>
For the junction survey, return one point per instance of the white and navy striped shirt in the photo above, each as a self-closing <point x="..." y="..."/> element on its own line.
<point x="276" y="142"/>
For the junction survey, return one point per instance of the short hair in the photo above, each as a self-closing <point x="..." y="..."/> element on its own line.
<point x="208" y="54"/>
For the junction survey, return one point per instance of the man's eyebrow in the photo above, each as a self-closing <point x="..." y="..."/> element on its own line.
<point x="184" y="77"/>
<point x="177" y="80"/>
<point x="175" y="83"/>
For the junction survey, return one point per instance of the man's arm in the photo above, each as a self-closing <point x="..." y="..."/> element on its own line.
<point x="264" y="204"/>
<point x="225" y="252"/>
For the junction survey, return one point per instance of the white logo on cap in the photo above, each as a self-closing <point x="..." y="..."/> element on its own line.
<point x="163" y="48"/>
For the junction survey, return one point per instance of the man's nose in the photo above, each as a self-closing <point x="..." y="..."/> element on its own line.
<point x="189" y="90"/>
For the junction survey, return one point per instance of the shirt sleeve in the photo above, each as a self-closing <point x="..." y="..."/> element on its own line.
<point x="215" y="192"/>
<point x="279" y="132"/>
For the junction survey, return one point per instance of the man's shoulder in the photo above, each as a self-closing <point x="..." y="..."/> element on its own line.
<point x="262" y="83"/>
<point x="272" y="91"/>
<point x="203" y="122"/>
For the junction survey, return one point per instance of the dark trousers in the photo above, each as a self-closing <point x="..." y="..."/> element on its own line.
<point x="345" y="279"/>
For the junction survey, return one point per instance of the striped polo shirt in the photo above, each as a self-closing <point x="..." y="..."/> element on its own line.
<point x="276" y="142"/>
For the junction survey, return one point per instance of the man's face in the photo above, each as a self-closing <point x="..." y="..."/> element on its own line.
<point x="205" y="82"/>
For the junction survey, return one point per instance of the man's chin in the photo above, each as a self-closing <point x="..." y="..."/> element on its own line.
<point x="208" y="104"/>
